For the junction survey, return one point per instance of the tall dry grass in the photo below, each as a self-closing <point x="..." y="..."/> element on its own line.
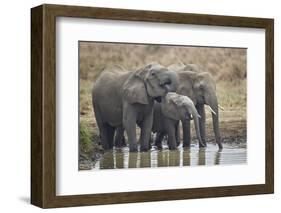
<point x="226" y="64"/>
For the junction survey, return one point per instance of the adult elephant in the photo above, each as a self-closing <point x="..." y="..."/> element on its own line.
<point x="126" y="99"/>
<point x="168" y="113"/>
<point x="200" y="87"/>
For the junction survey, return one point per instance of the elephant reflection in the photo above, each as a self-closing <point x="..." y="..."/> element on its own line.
<point x="168" y="158"/>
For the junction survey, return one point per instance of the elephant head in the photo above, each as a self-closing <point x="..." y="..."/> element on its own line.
<point x="204" y="88"/>
<point x="180" y="107"/>
<point x="150" y="83"/>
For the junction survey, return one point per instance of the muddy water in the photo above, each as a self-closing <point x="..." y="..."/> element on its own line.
<point x="233" y="153"/>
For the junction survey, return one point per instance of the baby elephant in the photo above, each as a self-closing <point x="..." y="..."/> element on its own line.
<point x="168" y="113"/>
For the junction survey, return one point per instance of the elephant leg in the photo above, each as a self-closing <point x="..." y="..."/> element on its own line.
<point x="145" y="134"/>
<point x="110" y="135"/>
<point x="131" y="132"/>
<point x="104" y="136"/>
<point x="177" y="133"/>
<point x="171" y="134"/>
<point x="150" y="141"/>
<point x="146" y="127"/>
<point x="103" y="127"/>
<point x="129" y="122"/>
<point x="202" y="123"/>
<point x="159" y="139"/>
<point x="119" y="140"/>
<point x="186" y="133"/>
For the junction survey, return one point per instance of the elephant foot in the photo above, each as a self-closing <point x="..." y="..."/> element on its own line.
<point x="186" y="145"/>
<point x="120" y="145"/>
<point x="133" y="148"/>
<point x="172" y="147"/>
<point x="106" y="147"/>
<point x="201" y="145"/>
<point x="159" y="146"/>
<point x="144" y="149"/>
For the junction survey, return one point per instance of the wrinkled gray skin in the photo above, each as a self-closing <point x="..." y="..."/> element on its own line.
<point x="124" y="99"/>
<point x="167" y="115"/>
<point x="200" y="87"/>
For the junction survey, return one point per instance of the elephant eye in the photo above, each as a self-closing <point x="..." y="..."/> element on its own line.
<point x="168" y="82"/>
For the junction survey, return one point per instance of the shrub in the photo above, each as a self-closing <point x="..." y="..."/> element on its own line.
<point x="84" y="135"/>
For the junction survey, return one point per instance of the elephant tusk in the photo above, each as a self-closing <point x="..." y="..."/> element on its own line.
<point x="210" y="108"/>
<point x="221" y="107"/>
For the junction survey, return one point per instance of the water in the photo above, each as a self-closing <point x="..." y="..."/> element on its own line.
<point x="233" y="153"/>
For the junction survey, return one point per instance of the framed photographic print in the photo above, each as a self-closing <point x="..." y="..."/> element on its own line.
<point x="136" y="106"/>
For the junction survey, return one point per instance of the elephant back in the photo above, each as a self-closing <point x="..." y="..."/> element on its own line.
<point x="107" y="97"/>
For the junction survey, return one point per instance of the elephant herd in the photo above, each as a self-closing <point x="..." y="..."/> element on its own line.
<point x="156" y="98"/>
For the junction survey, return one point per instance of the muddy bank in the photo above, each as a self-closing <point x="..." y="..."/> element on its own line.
<point x="89" y="153"/>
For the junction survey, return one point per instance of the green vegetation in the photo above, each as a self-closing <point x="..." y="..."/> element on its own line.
<point x="85" y="135"/>
<point x="89" y="148"/>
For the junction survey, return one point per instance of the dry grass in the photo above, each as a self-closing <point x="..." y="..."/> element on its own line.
<point x="227" y="65"/>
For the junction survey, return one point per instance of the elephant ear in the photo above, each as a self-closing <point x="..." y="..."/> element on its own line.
<point x="172" y="107"/>
<point x="134" y="90"/>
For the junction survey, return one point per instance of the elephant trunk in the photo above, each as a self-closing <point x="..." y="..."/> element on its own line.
<point x="196" y="117"/>
<point x="173" y="80"/>
<point x="213" y="103"/>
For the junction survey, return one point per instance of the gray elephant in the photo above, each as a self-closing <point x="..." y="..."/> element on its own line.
<point x="168" y="113"/>
<point x="201" y="88"/>
<point x="124" y="99"/>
